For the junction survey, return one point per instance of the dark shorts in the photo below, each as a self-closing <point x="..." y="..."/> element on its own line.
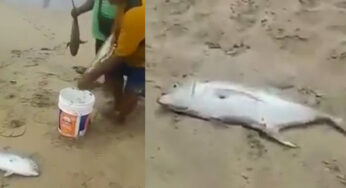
<point x="135" y="78"/>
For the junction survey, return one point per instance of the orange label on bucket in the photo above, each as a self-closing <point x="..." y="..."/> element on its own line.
<point x="68" y="124"/>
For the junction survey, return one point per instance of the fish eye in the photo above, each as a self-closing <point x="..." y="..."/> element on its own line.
<point x="175" y="85"/>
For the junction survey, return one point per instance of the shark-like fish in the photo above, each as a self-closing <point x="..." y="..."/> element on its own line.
<point x="236" y="104"/>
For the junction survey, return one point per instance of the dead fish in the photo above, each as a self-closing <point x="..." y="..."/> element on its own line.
<point x="236" y="104"/>
<point x="75" y="36"/>
<point x="15" y="164"/>
<point x="104" y="52"/>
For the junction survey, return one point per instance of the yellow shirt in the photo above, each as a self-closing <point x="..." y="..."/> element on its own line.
<point x="130" y="41"/>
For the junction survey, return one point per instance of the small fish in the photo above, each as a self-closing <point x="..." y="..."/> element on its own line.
<point x="75" y="36"/>
<point x="235" y="104"/>
<point x="15" y="164"/>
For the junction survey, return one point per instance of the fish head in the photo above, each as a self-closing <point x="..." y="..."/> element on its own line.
<point x="25" y="166"/>
<point x="178" y="96"/>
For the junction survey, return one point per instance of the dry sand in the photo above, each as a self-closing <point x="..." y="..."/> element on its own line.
<point x="34" y="66"/>
<point x="298" y="46"/>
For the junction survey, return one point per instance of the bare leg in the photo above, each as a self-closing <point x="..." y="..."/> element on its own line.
<point x="114" y="83"/>
<point x="126" y="105"/>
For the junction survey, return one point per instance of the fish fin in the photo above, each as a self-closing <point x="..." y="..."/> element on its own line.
<point x="82" y="41"/>
<point x="67" y="45"/>
<point x="8" y="173"/>
<point x="277" y="137"/>
<point x="334" y="122"/>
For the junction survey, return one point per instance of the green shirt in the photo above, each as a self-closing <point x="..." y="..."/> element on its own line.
<point x="104" y="17"/>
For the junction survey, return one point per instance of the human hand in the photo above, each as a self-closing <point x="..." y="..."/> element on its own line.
<point x="74" y="13"/>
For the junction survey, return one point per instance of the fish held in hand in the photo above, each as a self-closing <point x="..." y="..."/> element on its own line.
<point x="75" y="40"/>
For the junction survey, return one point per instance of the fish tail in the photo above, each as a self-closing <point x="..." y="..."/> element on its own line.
<point x="335" y="122"/>
<point x="73" y="4"/>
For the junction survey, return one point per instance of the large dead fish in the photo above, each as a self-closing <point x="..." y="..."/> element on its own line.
<point x="15" y="164"/>
<point x="236" y="104"/>
<point x="75" y="36"/>
<point x="104" y="53"/>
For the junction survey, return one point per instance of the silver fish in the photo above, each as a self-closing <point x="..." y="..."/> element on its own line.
<point x="104" y="52"/>
<point x="236" y="104"/>
<point x="15" y="164"/>
<point x="75" y="40"/>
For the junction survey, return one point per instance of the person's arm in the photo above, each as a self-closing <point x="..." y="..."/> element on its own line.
<point x="87" y="6"/>
<point x="131" y="33"/>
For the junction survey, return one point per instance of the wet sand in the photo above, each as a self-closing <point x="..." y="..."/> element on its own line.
<point x="296" y="48"/>
<point x="34" y="66"/>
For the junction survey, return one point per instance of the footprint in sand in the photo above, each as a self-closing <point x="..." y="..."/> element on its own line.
<point x="176" y="30"/>
<point x="257" y="148"/>
<point x="310" y="96"/>
<point x="63" y="142"/>
<point x="43" y="98"/>
<point x="309" y="3"/>
<point x="33" y="56"/>
<point x="178" y="7"/>
<point x="245" y="13"/>
<point x="338" y="54"/>
<point x="334" y="168"/>
<point x="12" y="126"/>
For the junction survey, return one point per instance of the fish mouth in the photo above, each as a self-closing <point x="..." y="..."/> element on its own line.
<point x="172" y="107"/>
<point x="36" y="173"/>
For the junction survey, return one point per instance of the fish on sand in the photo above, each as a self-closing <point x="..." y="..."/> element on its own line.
<point x="14" y="164"/>
<point x="75" y="40"/>
<point x="236" y="104"/>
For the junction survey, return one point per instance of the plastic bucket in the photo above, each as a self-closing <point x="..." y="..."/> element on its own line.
<point x="75" y="108"/>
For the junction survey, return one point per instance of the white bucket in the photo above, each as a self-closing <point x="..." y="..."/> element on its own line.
<point x="75" y="108"/>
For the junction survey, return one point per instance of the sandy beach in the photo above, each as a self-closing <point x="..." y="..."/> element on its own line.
<point x="293" y="48"/>
<point x="35" y="65"/>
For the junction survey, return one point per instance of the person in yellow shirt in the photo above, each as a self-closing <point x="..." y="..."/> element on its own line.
<point x="128" y="59"/>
